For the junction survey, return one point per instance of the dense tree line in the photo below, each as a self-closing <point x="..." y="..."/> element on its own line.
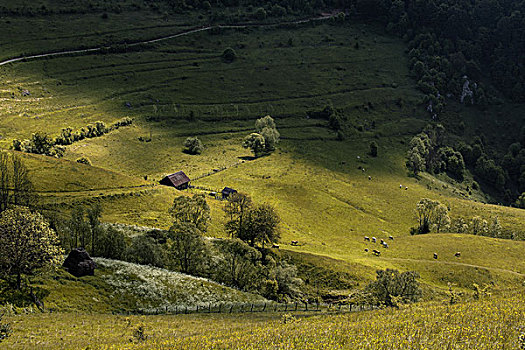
<point x="434" y="151"/>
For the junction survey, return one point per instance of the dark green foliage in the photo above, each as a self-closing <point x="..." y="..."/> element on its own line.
<point x="238" y="266"/>
<point x="27" y="243"/>
<point x="520" y="202"/>
<point x="83" y="229"/>
<point x="256" y="143"/>
<point x="391" y="287"/>
<point x="266" y="128"/>
<point x="145" y="251"/>
<point x="256" y="225"/>
<point x="229" y="55"/>
<point x="490" y="172"/>
<point x="289" y="285"/>
<point x="278" y="11"/>
<point x="111" y="244"/>
<point x="195" y="210"/>
<point x="452" y="162"/>
<point x="83" y="160"/>
<point x="428" y="152"/>
<point x="41" y="143"/>
<point x="187" y="249"/>
<point x="15" y="184"/>
<point x="373" y="149"/>
<point x="192" y="145"/>
<point x="260" y="14"/>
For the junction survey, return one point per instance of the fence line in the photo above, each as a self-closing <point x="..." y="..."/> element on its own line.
<point x="230" y="308"/>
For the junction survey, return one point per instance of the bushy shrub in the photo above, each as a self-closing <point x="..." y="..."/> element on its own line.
<point x="260" y="14"/>
<point x="83" y="160"/>
<point x="112" y="244"/>
<point x="122" y="122"/>
<point x="373" y="149"/>
<point x="192" y="145"/>
<point x="229" y="55"/>
<point x="392" y="287"/>
<point x="145" y="251"/>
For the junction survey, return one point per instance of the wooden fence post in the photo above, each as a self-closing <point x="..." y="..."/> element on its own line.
<point x="264" y="308"/>
<point x="220" y="306"/>
<point x="231" y="309"/>
<point x="296" y="306"/>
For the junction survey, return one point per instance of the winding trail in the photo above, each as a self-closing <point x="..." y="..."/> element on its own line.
<point x="168" y="37"/>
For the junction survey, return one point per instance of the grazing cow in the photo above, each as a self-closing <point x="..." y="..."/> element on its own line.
<point x="385" y="244"/>
<point x="370" y="178"/>
<point x="373" y="239"/>
<point x="457" y="255"/>
<point x="391" y="238"/>
<point x="366" y="250"/>
<point x="435" y="255"/>
<point x="295" y="242"/>
<point x="406" y="188"/>
<point x="376" y="252"/>
<point x="367" y="238"/>
<point x="382" y="241"/>
<point x="400" y="186"/>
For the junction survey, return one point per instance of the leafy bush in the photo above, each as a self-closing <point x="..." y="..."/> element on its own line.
<point x="145" y="251"/>
<point x="83" y="160"/>
<point x="41" y="143"/>
<point x="260" y="14"/>
<point x="192" y="145"/>
<point x="229" y="55"/>
<point x="112" y="244"/>
<point x="373" y="149"/>
<point x="392" y="287"/>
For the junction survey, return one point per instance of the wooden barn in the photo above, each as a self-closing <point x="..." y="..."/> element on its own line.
<point x="226" y="192"/>
<point x="179" y="180"/>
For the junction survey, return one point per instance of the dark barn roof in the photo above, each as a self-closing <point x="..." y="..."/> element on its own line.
<point x="227" y="191"/>
<point x="176" y="180"/>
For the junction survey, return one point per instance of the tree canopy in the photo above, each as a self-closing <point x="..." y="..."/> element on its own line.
<point x="26" y="243"/>
<point x="192" y="210"/>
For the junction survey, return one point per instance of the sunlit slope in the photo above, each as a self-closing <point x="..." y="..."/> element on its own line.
<point x="182" y="87"/>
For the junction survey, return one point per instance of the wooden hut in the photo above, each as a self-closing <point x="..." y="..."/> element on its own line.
<point x="179" y="180"/>
<point x="226" y="192"/>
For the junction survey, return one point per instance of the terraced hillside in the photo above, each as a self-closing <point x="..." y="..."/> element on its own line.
<point x="182" y="87"/>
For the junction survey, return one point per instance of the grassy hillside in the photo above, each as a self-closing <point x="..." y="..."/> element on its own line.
<point x="181" y="87"/>
<point x="119" y="286"/>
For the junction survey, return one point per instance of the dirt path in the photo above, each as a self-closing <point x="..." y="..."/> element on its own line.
<point x="152" y="41"/>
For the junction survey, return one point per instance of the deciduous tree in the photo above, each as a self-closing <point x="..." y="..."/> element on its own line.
<point x="390" y="285"/>
<point x="186" y="248"/>
<point x="26" y="243"/>
<point x="193" y="210"/>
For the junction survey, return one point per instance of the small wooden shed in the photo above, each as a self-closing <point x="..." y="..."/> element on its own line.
<point x="179" y="180"/>
<point x="227" y="191"/>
